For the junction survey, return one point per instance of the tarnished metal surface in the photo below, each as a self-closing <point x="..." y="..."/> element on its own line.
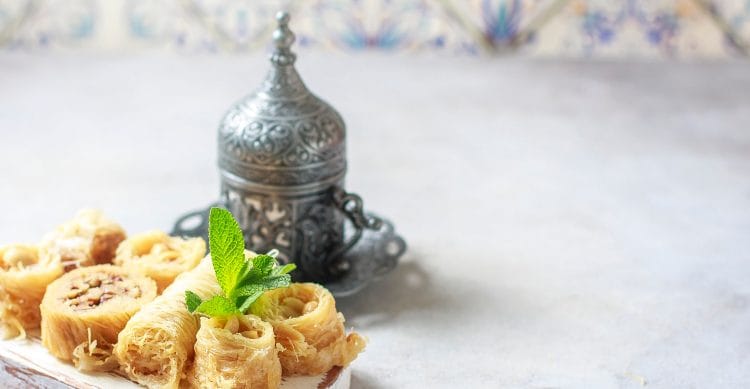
<point x="282" y="158"/>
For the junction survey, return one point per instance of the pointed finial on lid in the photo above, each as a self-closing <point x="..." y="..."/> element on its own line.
<point x="283" y="38"/>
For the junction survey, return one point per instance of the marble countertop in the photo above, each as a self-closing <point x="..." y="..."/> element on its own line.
<point x="571" y="224"/>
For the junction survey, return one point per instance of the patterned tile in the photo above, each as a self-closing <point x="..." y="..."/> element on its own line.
<point x="388" y="25"/>
<point x="202" y="25"/>
<point x="501" y="25"/>
<point x="733" y="16"/>
<point x="46" y="24"/>
<point x="586" y="28"/>
<point x="641" y="28"/>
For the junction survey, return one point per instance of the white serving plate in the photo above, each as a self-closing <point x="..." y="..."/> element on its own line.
<point x="26" y="364"/>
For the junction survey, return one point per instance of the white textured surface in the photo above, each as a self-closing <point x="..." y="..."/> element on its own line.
<point x="575" y="225"/>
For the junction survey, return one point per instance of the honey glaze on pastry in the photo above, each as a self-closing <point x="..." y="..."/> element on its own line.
<point x="308" y="329"/>
<point x="160" y="256"/>
<point x="88" y="239"/>
<point x="24" y="277"/>
<point x="235" y="352"/>
<point x="100" y="299"/>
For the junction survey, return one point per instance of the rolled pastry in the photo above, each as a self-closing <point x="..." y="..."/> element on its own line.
<point x="88" y="239"/>
<point x="159" y="339"/>
<point x="308" y="328"/>
<point x="92" y="356"/>
<point x="24" y="277"/>
<point x="100" y="299"/>
<point x="160" y="256"/>
<point x="235" y="352"/>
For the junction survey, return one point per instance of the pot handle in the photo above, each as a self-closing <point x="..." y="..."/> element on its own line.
<point x="350" y="204"/>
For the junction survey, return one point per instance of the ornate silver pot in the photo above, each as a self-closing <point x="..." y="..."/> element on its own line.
<point x="282" y="159"/>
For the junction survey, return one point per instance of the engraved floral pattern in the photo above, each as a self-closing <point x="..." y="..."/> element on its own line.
<point x="304" y="229"/>
<point x="283" y="134"/>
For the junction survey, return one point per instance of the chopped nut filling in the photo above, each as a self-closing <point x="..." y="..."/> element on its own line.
<point x="70" y="265"/>
<point x="90" y="291"/>
<point x="294" y="307"/>
<point x="239" y="325"/>
<point x="249" y="329"/>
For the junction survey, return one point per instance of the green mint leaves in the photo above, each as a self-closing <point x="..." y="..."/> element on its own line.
<point x="241" y="280"/>
<point x="192" y="301"/>
<point x="215" y="306"/>
<point x="227" y="248"/>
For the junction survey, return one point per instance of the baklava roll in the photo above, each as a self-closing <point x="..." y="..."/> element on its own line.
<point x="308" y="328"/>
<point x="235" y="352"/>
<point x="99" y="299"/>
<point x="159" y="339"/>
<point x="160" y="256"/>
<point x="88" y="239"/>
<point x="92" y="356"/>
<point x="24" y="277"/>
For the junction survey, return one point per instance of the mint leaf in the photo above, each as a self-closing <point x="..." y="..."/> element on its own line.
<point x="227" y="248"/>
<point x="274" y="282"/>
<point x="261" y="266"/>
<point x="253" y="289"/>
<point x="245" y="302"/>
<point x="217" y="306"/>
<point x="192" y="301"/>
<point x="279" y="270"/>
<point x="242" y="281"/>
<point x="263" y="284"/>
<point x="249" y="290"/>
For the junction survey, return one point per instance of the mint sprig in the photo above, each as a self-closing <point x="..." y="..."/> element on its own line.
<point x="241" y="280"/>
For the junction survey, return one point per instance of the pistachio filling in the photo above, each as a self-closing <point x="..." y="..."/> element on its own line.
<point x="92" y="290"/>
<point x="293" y="307"/>
<point x="239" y="325"/>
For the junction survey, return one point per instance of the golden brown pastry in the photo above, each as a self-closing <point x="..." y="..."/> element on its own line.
<point x="88" y="239"/>
<point x="308" y="328"/>
<point x="235" y="352"/>
<point x="160" y="256"/>
<point x="24" y="277"/>
<point x="93" y="356"/>
<point x="100" y="299"/>
<point x="158" y="341"/>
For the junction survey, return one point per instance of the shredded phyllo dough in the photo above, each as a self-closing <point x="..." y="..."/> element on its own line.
<point x="24" y="277"/>
<point x="103" y="317"/>
<point x="91" y="356"/>
<point x="88" y="239"/>
<point x="156" y="343"/>
<point x="309" y="330"/>
<point x="91" y="304"/>
<point x="235" y="352"/>
<point x="160" y="256"/>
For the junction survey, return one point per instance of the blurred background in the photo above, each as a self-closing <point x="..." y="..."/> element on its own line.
<point x="569" y="28"/>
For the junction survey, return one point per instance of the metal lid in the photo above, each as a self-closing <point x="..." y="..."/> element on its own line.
<point x="282" y="138"/>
